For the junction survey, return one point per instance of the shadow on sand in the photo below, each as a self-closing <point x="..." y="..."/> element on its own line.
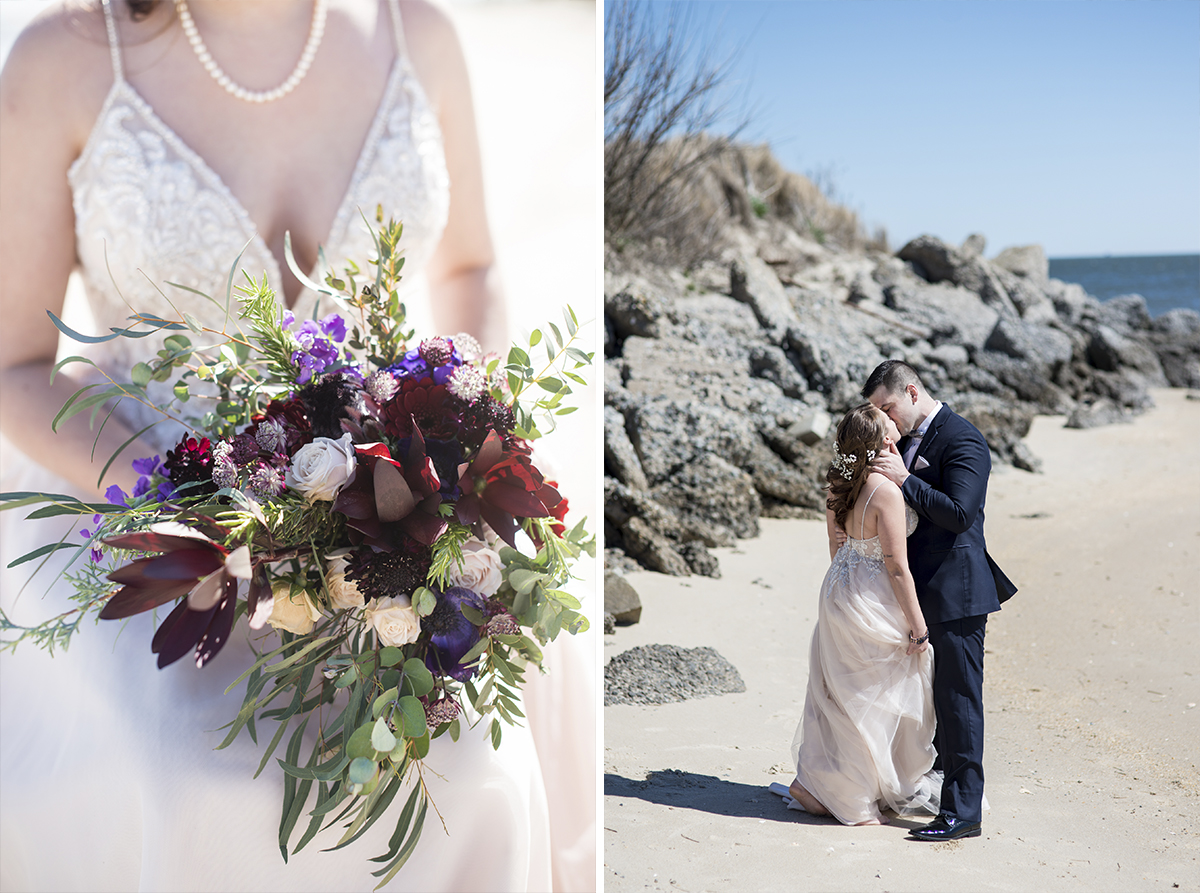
<point x="707" y="793"/>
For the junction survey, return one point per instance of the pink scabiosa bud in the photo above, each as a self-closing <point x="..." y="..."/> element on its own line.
<point x="436" y="351"/>
<point x="440" y="711"/>
<point x="381" y="385"/>
<point x="468" y="348"/>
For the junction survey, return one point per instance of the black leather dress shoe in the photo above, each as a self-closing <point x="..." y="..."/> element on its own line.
<point x="946" y="828"/>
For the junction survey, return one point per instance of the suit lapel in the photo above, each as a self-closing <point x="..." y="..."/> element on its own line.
<point x="931" y="435"/>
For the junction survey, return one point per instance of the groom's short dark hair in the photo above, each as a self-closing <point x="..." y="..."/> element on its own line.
<point x="893" y="376"/>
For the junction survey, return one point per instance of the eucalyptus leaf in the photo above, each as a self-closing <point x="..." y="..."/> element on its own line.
<point x="417" y="677"/>
<point x="382" y="738"/>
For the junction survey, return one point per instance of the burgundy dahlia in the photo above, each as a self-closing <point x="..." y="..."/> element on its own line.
<point x="424" y="403"/>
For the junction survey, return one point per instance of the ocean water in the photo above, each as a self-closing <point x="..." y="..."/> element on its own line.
<point x="1165" y="281"/>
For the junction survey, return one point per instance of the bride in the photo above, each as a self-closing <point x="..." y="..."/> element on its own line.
<point x="865" y="743"/>
<point x="145" y="141"/>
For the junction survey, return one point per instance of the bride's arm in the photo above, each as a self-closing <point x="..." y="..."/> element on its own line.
<point x="45" y="89"/>
<point x="891" y="528"/>
<point x="464" y="293"/>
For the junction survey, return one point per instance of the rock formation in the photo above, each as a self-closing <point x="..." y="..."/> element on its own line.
<point x="720" y="381"/>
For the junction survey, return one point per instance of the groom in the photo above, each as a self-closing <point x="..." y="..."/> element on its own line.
<point x="942" y="464"/>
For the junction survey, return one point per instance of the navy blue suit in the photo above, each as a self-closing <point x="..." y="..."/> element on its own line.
<point x="958" y="585"/>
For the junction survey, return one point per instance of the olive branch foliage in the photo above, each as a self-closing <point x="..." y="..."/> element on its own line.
<point x="347" y="709"/>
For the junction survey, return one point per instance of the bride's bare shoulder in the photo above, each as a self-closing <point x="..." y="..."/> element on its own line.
<point x="59" y="69"/>
<point x="434" y="46"/>
<point x="885" y="491"/>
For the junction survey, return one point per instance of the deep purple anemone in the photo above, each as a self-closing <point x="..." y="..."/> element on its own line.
<point x="451" y="634"/>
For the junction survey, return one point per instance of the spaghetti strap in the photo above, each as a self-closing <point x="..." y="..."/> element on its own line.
<point x="398" y="33"/>
<point x="114" y="43"/>
<point x="862" y="522"/>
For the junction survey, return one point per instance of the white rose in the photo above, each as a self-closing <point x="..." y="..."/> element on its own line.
<point x="343" y="593"/>
<point x="481" y="570"/>
<point x="295" y="613"/>
<point x="321" y="468"/>
<point x="394" y="620"/>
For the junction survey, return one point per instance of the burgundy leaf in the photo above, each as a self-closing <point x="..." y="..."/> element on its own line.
<point x="393" y="498"/>
<point x="132" y="600"/>
<point x="179" y="633"/>
<point x="425" y="529"/>
<point x="488" y="455"/>
<point x="501" y="522"/>
<point x="149" y="541"/>
<point x="208" y="592"/>
<point x="514" y="500"/>
<point x="184" y="564"/>
<point x="217" y="634"/>
<point x="355" y="504"/>
<point x="467" y="509"/>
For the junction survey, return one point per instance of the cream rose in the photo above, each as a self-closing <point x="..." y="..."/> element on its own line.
<point x="481" y="570"/>
<point x="343" y="593"/>
<point x="394" y="620"/>
<point x="295" y="613"/>
<point x="321" y="468"/>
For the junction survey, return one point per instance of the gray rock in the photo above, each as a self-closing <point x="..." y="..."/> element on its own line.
<point x="770" y="362"/>
<point x="635" y="310"/>
<point x="974" y="245"/>
<point x="942" y="262"/>
<point x="776" y="479"/>
<point x="1044" y="346"/>
<point x="755" y="284"/>
<point x="662" y="674"/>
<point x="1110" y="351"/>
<point x="711" y="491"/>
<point x="1026" y="261"/>
<point x="610" y="624"/>
<point x="670" y="436"/>
<point x="652" y="550"/>
<point x="620" y="458"/>
<point x="621" y="600"/>
<point x="1028" y="379"/>
<point x="948" y="313"/>
<point x="1126" y="314"/>
<point x="1102" y="412"/>
<point x="1070" y="301"/>
<point x="702" y="562"/>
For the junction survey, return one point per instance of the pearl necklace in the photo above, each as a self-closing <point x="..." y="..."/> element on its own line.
<point x="210" y="64"/>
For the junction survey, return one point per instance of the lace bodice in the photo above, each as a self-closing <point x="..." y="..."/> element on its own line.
<point x="149" y="210"/>
<point x="854" y="552"/>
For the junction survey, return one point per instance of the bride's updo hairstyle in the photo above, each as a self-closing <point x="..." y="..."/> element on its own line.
<point x="860" y="436"/>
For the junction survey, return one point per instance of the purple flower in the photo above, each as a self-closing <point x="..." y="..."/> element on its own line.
<point x="414" y="366"/>
<point x="286" y="319"/>
<point x="315" y="353"/>
<point x="116" y="495"/>
<point x="451" y="634"/>
<point x="335" y="327"/>
<point x="166" y="491"/>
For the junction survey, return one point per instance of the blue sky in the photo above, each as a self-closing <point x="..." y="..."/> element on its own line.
<point x="1073" y="124"/>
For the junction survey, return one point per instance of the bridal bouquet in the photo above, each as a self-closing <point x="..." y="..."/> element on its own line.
<point x="370" y="497"/>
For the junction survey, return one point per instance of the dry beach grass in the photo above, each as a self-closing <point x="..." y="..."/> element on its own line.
<point x="1093" y="752"/>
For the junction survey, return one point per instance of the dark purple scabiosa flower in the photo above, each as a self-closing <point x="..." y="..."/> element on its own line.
<point x="389" y="574"/>
<point x="266" y="482"/>
<point x="436" y="351"/>
<point x="271" y="437"/>
<point x="451" y="634"/>
<point x="191" y="462"/>
<point x="326" y="401"/>
<point x="243" y="449"/>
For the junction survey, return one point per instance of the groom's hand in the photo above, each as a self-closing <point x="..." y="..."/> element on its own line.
<point x="890" y="464"/>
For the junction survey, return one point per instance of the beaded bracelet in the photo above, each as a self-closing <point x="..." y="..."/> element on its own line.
<point x="920" y="641"/>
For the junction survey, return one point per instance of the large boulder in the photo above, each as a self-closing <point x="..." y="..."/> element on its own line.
<point x="713" y="492"/>
<point x="1027" y="261"/>
<point x="635" y="310"/>
<point x="755" y="284"/>
<point x="1044" y="346"/>
<point x="937" y="261"/>
<point x="621" y="599"/>
<point x="671" y="436"/>
<point x="1111" y="351"/>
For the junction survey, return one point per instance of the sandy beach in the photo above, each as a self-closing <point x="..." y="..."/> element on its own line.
<point x="1091" y="686"/>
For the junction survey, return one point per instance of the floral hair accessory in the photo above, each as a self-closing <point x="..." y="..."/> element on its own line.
<point x="844" y="464"/>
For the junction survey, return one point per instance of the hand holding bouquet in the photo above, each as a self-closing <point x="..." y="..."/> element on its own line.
<point x="370" y="497"/>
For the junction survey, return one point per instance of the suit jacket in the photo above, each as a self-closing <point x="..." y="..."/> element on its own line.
<point x="954" y="575"/>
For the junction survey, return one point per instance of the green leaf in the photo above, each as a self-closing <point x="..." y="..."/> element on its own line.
<point x="382" y="738"/>
<point x="181" y="391"/>
<point x="413" y="717"/>
<point x="557" y="334"/>
<point x="566" y="410"/>
<point x="553" y="385"/>
<point x="569" y="318"/>
<point x="418" y="677"/>
<point x="362" y="770"/>
<point x="455" y="730"/>
<point x="75" y="336"/>
<point x="40" y="551"/>
<point x="381" y="702"/>
<point x="523" y="580"/>
<point x="360" y="744"/>
<point x="390" y="656"/>
<point x="424" y="601"/>
<point x="496" y="732"/>
<point x="579" y="356"/>
<point x="518" y="357"/>
<point x="535" y="337"/>
<point x="473" y="655"/>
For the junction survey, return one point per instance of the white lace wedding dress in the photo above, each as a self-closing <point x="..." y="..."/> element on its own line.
<point x="108" y="776"/>
<point x="865" y="742"/>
